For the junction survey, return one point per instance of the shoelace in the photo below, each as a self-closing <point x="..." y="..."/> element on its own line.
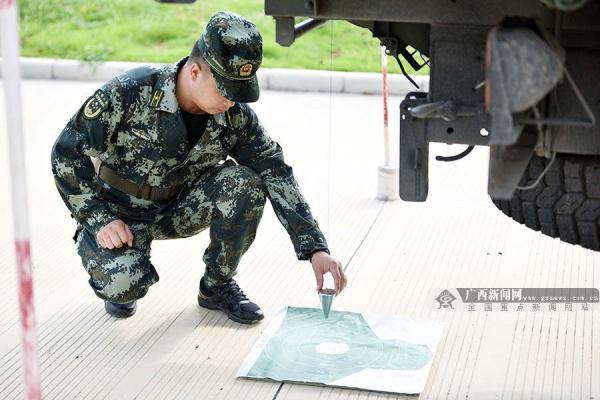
<point x="232" y="289"/>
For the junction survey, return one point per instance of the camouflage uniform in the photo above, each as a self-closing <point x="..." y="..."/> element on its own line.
<point x="133" y="125"/>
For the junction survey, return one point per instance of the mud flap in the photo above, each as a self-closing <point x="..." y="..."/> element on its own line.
<point x="507" y="165"/>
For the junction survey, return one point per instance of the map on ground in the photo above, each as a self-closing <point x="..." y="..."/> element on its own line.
<point x="362" y="351"/>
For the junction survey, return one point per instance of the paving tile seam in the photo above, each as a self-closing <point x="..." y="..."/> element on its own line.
<point x="578" y="317"/>
<point x="530" y="323"/>
<point x="550" y="327"/>
<point x="101" y="338"/>
<point x="585" y="329"/>
<point x="454" y="323"/>
<point x="158" y="335"/>
<point x="592" y="339"/>
<point x="461" y="320"/>
<point x="569" y="326"/>
<point x="492" y="240"/>
<point x="477" y="353"/>
<point x="15" y="352"/>
<point x="416" y="277"/>
<point x="561" y="338"/>
<point x="13" y="313"/>
<point x="206" y="376"/>
<point x="176" y="378"/>
<point x="591" y="344"/>
<point x="562" y="377"/>
<point x="161" y="368"/>
<point x="47" y="356"/>
<point x="150" y="388"/>
<point x="530" y="349"/>
<point x="107" y="335"/>
<point x="520" y="337"/>
<point x="140" y="347"/>
<point x="40" y="274"/>
<point x="574" y="325"/>
<point x="224" y="360"/>
<point x="43" y="356"/>
<point x="516" y="337"/>
<point x="360" y="244"/>
<point x="457" y="321"/>
<point x="85" y="344"/>
<point x="277" y="392"/>
<point x="547" y="344"/>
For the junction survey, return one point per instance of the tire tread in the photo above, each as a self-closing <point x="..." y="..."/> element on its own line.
<point x="565" y="204"/>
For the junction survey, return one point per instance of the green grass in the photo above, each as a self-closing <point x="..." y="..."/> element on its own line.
<point x="146" y="31"/>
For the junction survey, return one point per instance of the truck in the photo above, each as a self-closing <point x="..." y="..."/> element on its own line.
<point x="519" y="76"/>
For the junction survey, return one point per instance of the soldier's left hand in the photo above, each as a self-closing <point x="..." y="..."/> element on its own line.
<point x="323" y="263"/>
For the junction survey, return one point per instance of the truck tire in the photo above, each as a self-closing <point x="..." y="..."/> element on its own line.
<point x="565" y="204"/>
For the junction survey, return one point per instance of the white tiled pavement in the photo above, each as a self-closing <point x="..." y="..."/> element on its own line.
<point x="395" y="255"/>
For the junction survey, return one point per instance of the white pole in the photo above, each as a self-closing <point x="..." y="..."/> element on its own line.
<point x="9" y="35"/>
<point x="386" y="136"/>
<point x="387" y="175"/>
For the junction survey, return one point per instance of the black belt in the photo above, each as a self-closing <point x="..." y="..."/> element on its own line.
<point x="146" y="192"/>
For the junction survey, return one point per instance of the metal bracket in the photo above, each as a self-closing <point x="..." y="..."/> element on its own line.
<point x="286" y="32"/>
<point x="446" y="110"/>
<point x="394" y="46"/>
<point x="414" y="151"/>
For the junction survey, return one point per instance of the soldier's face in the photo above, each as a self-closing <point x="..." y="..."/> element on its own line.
<point x="204" y="91"/>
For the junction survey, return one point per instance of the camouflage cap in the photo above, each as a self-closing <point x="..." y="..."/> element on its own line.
<point x="232" y="47"/>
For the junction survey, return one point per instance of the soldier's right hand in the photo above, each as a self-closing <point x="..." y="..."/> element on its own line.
<point x="114" y="235"/>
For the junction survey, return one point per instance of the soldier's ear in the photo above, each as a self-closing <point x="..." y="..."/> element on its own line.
<point x="195" y="71"/>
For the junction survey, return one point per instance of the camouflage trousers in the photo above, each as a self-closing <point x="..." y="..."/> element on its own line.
<point x="230" y="200"/>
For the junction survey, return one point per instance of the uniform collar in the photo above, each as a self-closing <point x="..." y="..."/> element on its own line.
<point x="221" y="119"/>
<point x="163" y="93"/>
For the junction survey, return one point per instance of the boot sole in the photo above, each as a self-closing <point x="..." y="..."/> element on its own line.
<point x="211" y="306"/>
<point x="120" y="315"/>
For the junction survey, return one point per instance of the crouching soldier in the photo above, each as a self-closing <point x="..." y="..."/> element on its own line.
<point x="160" y="136"/>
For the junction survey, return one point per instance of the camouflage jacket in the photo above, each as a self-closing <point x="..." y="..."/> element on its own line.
<point x="133" y="124"/>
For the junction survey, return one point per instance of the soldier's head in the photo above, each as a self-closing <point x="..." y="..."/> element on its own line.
<point x="224" y="61"/>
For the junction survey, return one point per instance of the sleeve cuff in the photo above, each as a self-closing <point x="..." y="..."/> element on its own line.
<point x="307" y="244"/>
<point x="316" y="251"/>
<point x="98" y="218"/>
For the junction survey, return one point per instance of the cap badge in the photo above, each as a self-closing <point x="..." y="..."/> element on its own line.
<point x="246" y="70"/>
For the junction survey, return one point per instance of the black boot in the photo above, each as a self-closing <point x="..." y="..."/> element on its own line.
<point x="119" y="310"/>
<point x="229" y="298"/>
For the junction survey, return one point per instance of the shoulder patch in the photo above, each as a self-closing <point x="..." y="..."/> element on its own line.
<point x="95" y="105"/>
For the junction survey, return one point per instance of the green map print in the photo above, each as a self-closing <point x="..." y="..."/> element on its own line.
<point x="309" y="348"/>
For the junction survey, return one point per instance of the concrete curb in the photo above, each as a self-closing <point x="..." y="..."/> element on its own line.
<point x="269" y="78"/>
